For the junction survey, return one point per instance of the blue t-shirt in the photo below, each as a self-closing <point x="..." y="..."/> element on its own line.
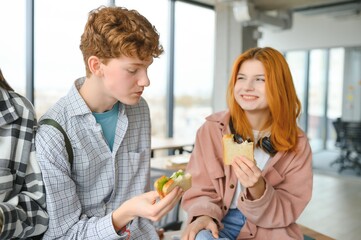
<point x="108" y="122"/>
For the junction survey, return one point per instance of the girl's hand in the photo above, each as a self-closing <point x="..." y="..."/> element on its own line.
<point x="250" y="176"/>
<point x="200" y="223"/>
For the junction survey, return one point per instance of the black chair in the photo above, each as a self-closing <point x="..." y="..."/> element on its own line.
<point x="339" y="131"/>
<point x="349" y="141"/>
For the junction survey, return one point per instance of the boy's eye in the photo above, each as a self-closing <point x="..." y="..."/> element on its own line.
<point x="132" y="70"/>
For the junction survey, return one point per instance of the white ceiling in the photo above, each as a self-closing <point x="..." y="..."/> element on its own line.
<point x="296" y="5"/>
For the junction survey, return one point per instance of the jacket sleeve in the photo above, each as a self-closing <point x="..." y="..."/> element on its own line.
<point x="24" y="214"/>
<point x="202" y="198"/>
<point x="288" y="190"/>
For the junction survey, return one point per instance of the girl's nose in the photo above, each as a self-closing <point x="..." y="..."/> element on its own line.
<point x="248" y="85"/>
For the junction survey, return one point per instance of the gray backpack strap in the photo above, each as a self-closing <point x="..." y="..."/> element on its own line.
<point x="68" y="147"/>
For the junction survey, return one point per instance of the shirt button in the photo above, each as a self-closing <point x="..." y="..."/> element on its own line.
<point x="231" y="186"/>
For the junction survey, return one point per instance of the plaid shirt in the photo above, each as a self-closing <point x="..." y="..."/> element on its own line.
<point x="22" y="197"/>
<point x="80" y="201"/>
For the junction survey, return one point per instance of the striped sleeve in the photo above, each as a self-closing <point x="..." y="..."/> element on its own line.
<point x="24" y="215"/>
<point x="22" y="192"/>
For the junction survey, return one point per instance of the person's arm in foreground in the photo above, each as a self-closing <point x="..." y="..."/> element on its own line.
<point x="24" y="214"/>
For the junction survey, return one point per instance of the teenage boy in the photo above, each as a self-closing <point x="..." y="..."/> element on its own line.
<point x="104" y="193"/>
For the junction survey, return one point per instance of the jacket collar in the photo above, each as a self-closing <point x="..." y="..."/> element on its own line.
<point x="8" y="112"/>
<point x="222" y="118"/>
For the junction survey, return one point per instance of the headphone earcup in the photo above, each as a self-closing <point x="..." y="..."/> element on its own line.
<point x="266" y="145"/>
<point x="237" y="138"/>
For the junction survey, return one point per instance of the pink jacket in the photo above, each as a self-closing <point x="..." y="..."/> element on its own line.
<point x="288" y="177"/>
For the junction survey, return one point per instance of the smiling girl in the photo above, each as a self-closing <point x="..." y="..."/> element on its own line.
<point x="252" y="200"/>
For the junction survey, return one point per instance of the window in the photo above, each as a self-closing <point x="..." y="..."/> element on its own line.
<point x="334" y="96"/>
<point x="13" y="43"/>
<point x="155" y="94"/>
<point x="319" y="87"/>
<point x="58" y="59"/>
<point x="316" y="98"/>
<point x="193" y="65"/>
<point x="298" y="64"/>
<point x="193" y="70"/>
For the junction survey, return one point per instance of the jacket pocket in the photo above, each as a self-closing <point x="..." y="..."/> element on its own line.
<point x="138" y="161"/>
<point x="7" y="177"/>
<point x="217" y="176"/>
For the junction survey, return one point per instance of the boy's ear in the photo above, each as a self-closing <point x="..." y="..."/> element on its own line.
<point x="94" y="64"/>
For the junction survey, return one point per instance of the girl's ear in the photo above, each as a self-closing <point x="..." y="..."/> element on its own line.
<point x="94" y="64"/>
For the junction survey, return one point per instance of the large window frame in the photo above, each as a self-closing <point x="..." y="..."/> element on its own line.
<point x="30" y="53"/>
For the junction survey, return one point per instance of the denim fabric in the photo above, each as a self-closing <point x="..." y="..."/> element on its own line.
<point x="233" y="223"/>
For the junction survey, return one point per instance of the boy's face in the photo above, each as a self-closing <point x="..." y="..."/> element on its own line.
<point x="125" y="78"/>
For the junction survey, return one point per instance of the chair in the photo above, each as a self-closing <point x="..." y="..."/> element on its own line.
<point x="349" y="141"/>
<point x="339" y="131"/>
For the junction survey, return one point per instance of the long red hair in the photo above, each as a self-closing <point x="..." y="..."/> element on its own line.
<point x="282" y="99"/>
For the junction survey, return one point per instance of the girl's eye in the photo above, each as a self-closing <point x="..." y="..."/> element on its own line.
<point x="260" y="79"/>
<point x="241" y="78"/>
<point x="132" y="71"/>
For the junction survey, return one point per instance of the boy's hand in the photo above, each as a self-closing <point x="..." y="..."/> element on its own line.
<point x="146" y="205"/>
<point x="153" y="208"/>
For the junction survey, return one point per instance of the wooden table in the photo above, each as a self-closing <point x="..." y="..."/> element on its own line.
<point x="313" y="234"/>
<point x="171" y="162"/>
<point x="173" y="144"/>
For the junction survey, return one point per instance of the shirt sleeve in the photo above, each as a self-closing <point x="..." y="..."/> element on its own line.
<point x="24" y="214"/>
<point x="63" y="205"/>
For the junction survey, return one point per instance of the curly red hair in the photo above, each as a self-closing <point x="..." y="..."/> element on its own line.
<point x="112" y="32"/>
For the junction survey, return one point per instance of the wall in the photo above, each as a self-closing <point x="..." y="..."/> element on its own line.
<point x="318" y="31"/>
<point x="231" y="39"/>
<point x="351" y="110"/>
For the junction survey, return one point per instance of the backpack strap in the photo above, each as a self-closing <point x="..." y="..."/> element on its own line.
<point x="68" y="147"/>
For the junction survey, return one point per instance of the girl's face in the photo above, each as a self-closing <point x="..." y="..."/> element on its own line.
<point x="125" y="79"/>
<point x="250" y="87"/>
